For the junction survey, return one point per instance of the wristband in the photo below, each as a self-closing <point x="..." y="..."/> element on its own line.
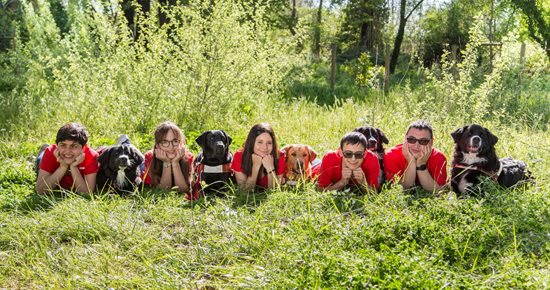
<point x="166" y="164"/>
<point x="421" y="167"/>
<point x="271" y="171"/>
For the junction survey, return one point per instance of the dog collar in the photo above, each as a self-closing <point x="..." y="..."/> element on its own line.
<point x="215" y="169"/>
<point x="493" y="175"/>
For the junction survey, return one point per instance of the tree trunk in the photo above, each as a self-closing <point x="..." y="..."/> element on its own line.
<point x="399" y="37"/>
<point x="293" y="18"/>
<point x="316" y="50"/>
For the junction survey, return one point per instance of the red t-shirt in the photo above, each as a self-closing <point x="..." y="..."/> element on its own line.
<point x="88" y="166"/>
<point x="261" y="181"/>
<point x="330" y="170"/>
<point x="395" y="164"/>
<point x="149" y="160"/>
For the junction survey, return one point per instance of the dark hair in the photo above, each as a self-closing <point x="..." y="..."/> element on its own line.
<point x="156" y="165"/>
<point x="248" y="147"/>
<point x="74" y="132"/>
<point x="353" y="138"/>
<point x="421" y="125"/>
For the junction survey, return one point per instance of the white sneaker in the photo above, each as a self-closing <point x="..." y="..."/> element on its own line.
<point x="122" y="139"/>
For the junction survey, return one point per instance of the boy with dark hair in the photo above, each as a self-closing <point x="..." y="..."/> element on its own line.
<point x="416" y="162"/>
<point x="69" y="163"/>
<point x="352" y="165"/>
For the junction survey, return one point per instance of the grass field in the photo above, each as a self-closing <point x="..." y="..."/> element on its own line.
<point x="225" y="73"/>
<point x="285" y="238"/>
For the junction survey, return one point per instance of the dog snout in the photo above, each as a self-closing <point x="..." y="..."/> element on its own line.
<point x="123" y="161"/>
<point x="372" y="143"/>
<point x="475" y="141"/>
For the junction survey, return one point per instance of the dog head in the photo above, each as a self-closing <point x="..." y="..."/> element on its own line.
<point x="298" y="158"/>
<point x="120" y="157"/>
<point x="474" y="139"/>
<point x="375" y="138"/>
<point x="215" y="145"/>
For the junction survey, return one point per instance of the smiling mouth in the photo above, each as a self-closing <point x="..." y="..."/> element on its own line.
<point x="472" y="149"/>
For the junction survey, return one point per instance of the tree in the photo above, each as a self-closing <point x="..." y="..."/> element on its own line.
<point x="538" y="22"/>
<point x="401" y="32"/>
<point x="363" y="23"/>
<point x="316" y="48"/>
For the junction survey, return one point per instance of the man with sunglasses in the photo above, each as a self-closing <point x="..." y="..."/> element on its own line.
<point x="416" y="162"/>
<point x="351" y="166"/>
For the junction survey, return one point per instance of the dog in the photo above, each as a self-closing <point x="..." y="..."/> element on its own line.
<point x="298" y="160"/>
<point x="119" y="168"/>
<point x="213" y="163"/>
<point x="375" y="143"/>
<point x="475" y="156"/>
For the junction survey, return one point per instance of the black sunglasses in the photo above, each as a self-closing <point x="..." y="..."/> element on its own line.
<point x="412" y="140"/>
<point x="358" y="154"/>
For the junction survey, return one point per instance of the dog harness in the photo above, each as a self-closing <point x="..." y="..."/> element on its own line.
<point x="493" y="175"/>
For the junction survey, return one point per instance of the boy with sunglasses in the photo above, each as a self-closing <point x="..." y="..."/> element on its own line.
<point x="69" y="163"/>
<point x="415" y="162"/>
<point x="351" y="166"/>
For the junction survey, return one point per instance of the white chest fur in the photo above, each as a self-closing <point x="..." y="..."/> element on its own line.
<point x="120" y="177"/>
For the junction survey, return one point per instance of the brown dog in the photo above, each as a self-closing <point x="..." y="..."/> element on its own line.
<point x="298" y="160"/>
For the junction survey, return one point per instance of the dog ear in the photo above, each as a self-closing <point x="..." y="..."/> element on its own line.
<point x="312" y="153"/>
<point x="492" y="138"/>
<point x="104" y="157"/>
<point x="383" y="137"/>
<point x="457" y="134"/>
<point x="201" y="140"/>
<point x="229" y="139"/>
<point x="136" y="154"/>
<point x="286" y="148"/>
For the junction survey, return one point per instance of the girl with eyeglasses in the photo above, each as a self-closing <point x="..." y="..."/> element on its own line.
<point x="416" y="162"/>
<point x="169" y="164"/>
<point x="258" y="164"/>
<point x="351" y="166"/>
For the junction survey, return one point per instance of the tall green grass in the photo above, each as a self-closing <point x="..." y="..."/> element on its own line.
<point x="220" y="70"/>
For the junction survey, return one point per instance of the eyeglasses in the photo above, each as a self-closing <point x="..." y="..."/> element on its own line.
<point x="349" y="154"/>
<point x="412" y="140"/>
<point x="166" y="143"/>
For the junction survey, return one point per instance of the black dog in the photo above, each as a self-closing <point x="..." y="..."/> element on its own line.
<point x="119" y="168"/>
<point x="375" y="140"/>
<point x="213" y="163"/>
<point x="475" y="157"/>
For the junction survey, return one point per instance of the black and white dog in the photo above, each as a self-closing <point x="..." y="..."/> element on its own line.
<point x="213" y="163"/>
<point x="475" y="157"/>
<point x="375" y="143"/>
<point x="119" y="168"/>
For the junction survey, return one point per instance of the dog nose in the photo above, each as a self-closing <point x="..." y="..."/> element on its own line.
<point x="476" y="140"/>
<point x="372" y="143"/>
<point x="123" y="160"/>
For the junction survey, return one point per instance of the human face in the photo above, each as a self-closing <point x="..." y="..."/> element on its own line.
<point x="167" y="144"/>
<point x="417" y="149"/>
<point x="352" y="163"/>
<point x="68" y="150"/>
<point x="263" y="144"/>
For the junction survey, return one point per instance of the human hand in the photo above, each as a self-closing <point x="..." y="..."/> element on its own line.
<point x="346" y="173"/>
<point x="59" y="159"/>
<point x="268" y="162"/>
<point x="161" y="155"/>
<point x="77" y="160"/>
<point x="179" y="155"/>
<point x="426" y="152"/>
<point x="406" y="152"/>
<point x="359" y="175"/>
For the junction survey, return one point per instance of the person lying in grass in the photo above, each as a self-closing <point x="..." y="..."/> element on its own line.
<point x="352" y="166"/>
<point x="415" y="162"/>
<point x="69" y="163"/>
<point x="257" y="164"/>
<point x="169" y="164"/>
